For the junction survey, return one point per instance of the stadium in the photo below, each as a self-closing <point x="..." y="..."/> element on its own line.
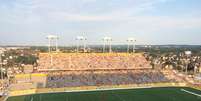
<point x="100" y="50"/>
<point x="100" y="77"/>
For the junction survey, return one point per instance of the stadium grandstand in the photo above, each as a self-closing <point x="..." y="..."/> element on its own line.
<point x="62" y="74"/>
<point x="91" y="61"/>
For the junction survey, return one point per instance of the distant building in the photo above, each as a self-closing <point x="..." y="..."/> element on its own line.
<point x="188" y="53"/>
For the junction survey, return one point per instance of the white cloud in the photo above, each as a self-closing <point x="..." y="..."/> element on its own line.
<point x="88" y="1"/>
<point x="97" y="16"/>
<point x="45" y="11"/>
<point x="76" y="9"/>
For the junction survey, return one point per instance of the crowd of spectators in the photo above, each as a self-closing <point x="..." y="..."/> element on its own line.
<point x="95" y="69"/>
<point x="96" y="78"/>
<point x="76" y="61"/>
<point x="180" y="62"/>
<point x="3" y="85"/>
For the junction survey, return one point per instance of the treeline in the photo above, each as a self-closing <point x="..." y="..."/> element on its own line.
<point x="29" y="59"/>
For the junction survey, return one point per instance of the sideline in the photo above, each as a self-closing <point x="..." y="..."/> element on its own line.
<point x="108" y="89"/>
<point x="190" y="92"/>
<point x="90" y="88"/>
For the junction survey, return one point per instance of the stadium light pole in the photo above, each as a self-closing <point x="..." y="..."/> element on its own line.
<point x="128" y="44"/>
<point x="131" y="40"/>
<point x="110" y="41"/>
<point x="77" y="44"/>
<point x="49" y="44"/>
<point x="103" y="45"/>
<point x="134" y="41"/>
<point x="56" y="39"/>
<point x="83" y="40"/>
<point x="107" y="40"/>
<point x="51" y="39"/>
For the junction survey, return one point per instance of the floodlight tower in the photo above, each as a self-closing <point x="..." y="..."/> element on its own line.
<point x="107" y="40"/>
<point x="134" y="42"/>
<point x="51" y="40"/>
<point x="110" y="41"/>
<point x="83" y="40"/>
<point x="128" y="44"/>
<point x="56" y="43"/>
<point x="77" y="44"/>
<point x="103" y="45"/>
<point x="51" y="45"/>
<point x="131" y="40"/>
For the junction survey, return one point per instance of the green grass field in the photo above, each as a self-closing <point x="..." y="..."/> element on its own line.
<point x="145" y="94"/>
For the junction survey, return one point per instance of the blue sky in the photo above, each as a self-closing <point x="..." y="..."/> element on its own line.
<point x="149" y="21"/>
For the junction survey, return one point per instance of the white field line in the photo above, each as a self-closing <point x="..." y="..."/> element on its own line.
<point x="190" y="92"/>
<point x="5" y="98"/>
<point x="107" y="89"/>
